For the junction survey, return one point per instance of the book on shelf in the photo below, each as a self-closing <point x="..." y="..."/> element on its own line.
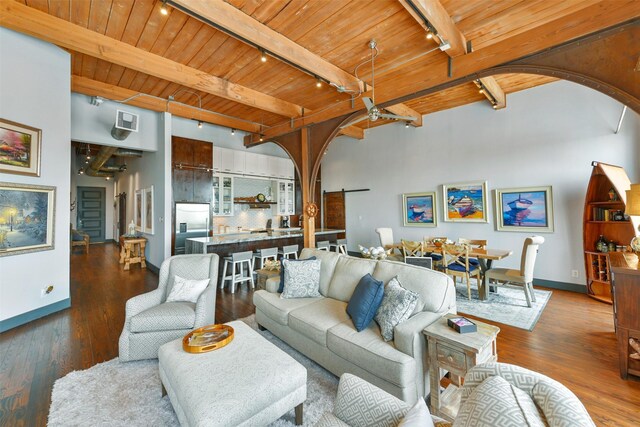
<point x="603" y="214"/>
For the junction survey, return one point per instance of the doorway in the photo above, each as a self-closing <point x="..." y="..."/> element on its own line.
<point x="91" y="212"/>
<point x="334" y="215"/>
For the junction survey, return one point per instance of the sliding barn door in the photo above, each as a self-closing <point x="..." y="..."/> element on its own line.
<point x="334" y="216"/>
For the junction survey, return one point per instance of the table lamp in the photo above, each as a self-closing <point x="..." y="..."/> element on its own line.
<point x="633" y="208"/>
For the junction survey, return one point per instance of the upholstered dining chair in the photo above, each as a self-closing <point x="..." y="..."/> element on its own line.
<point x="386" y="239"/>
<point x="522" y="277"/>
<point x="474" y="243"/>
<point x="437" y="258"/>
<point x="151" y="321"/>
<point x="456" y="263"/>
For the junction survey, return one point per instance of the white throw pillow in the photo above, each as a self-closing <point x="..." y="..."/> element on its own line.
<point x="301" y="279"/>
<point x="418" y="416"/>
<point x="187" y="290"/>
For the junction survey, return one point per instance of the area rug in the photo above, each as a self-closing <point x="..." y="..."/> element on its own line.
<point x="507" y="306"/>
<point x="128" y="394"/>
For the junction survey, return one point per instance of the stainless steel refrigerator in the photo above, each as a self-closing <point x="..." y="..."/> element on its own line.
<point x="192" y="220"/>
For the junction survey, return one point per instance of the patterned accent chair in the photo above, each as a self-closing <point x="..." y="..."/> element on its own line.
<point x="150" y="321"/>
<point x="503" y="394"/>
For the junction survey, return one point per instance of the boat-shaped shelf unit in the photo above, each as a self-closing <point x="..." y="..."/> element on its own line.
<point x="606" y="195"/>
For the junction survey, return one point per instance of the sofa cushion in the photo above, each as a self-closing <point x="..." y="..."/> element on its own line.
<point x="435" y="289"/>
<point x="281" y="286"/>
<point x="278" y="309"/>
<point x="329" y="260"/>
<point x="369" y="351"/>
<point x="347" y="275"/>
<point x="496" y="402"/>
<point x="365" y="301"/>
<point x="301" y="279"/>
<point x="397" y="306"/>
<point x="314" y="320"/>
<point x="163" y="317"/>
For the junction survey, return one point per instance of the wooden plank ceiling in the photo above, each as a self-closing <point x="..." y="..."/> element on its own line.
<point x="336" y="31"/>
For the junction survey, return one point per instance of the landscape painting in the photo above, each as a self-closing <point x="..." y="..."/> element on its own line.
<point x="525" y="209"/>
<point x="137" y="209"/>
<point x="148" y="210"/>
<point x="419" y="209"/>
<point x="465" y="202"/>
<point x="26" y="218"/>
<point x="19" y="148"/>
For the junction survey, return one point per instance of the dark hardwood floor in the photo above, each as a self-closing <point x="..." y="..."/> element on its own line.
<point x="573" y="343"/>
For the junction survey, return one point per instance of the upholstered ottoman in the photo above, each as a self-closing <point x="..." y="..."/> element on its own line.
<point x="250" y="382"/>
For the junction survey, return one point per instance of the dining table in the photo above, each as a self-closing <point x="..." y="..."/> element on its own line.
<point x="485" y="259"/>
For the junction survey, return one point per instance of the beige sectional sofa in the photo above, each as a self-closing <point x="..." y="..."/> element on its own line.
<point x="321" y="329"/>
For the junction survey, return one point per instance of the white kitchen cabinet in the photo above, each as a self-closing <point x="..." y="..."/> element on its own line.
<point x="222" y="200"/>
<point x="286" y="169"/>
<point x="217" y="159"/>
<point x="226" y="157"/>
<point x="273" y="166"/>
<point x="286" y="198"/>
<point x="252" y="163"/>
<point x="238" y="162"/>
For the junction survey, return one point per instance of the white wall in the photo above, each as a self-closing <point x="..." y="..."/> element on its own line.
<point x="92" y="124"/>
<point x="35" y="88"/>
<point x="546" y="136"/>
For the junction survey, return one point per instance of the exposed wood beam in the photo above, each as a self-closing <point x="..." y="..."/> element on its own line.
<point x="588" y="20"/>
<point x="493" y="92"/>
<point x="249" y="30"/>
<point x="439" y="18"/>
<point x="352" y="131"/>
<point x="91" y="87"/>
<point x="403" y="110"/>
<point x="27" y="20"/>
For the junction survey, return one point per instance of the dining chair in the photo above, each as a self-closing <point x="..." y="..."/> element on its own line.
<point x="420" y="261"/>
<point x="456" y="263"/>
<point x="386" y="239"/>
<point x="474" y="243"/>
<point x="411" y="249"/>
<point x="522" y="277"/>
<point x="437" y="258"/>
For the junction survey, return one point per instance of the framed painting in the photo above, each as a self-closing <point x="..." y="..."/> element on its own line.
<point x="138" y="206"/>
<point x="465" y="202"/>
<point x="19" y="148"/>
<point x="525" y="209"/>
<point x="419" y="209"/>
<point x="148" y="210"/>
<point x="27" y="218"/>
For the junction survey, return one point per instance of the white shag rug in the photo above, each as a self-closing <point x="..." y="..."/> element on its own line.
<point x="129" y="394"/>
<point x="508" y="305"/>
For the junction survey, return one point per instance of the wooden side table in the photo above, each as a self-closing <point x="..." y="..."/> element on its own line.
<point x="132" y="251"/>
<point x="456" y="353"/>
<point x="262" y="275"/>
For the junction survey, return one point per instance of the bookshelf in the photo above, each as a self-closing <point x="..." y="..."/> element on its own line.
<point x="605" y="200"/>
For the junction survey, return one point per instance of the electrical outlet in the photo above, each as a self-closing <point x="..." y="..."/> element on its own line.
<point x="574" y="273"/>
<point x="46" y="291"/>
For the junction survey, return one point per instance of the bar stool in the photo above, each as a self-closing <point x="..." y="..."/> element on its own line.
<point x="323" y="246"/>
<point x="340" y="246"/>
<point x="238" y="259"/>
<point x="289" y="251"/>
<point x="263" y="255"/>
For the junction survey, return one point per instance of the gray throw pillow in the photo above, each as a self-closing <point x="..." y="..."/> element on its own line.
<point x="301" y="279"/>
<point x="396" y="307"/>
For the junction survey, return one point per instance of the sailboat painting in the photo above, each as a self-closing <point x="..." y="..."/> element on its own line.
<point x="524" y="209"/>
<point x="419" y="209"/>
<point x="466" y="202"/>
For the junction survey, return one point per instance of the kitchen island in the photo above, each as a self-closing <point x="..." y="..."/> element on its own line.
<point x="226" y="244"/>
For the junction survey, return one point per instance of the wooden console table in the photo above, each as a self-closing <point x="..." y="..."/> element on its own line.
<point x="626" y="310"/>
<point x="132" y="251"/>
<point x="456" y="353"/>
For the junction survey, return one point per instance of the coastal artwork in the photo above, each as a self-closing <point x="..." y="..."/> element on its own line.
<point x="465" y="202"/>
<point x="419" y="209"/>
<point x="26" y="218"/>
<point x="524" y="209"/>
<point x="19" y="149"/>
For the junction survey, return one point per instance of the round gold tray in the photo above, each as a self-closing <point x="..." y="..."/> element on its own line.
<point x="207" y="338"/>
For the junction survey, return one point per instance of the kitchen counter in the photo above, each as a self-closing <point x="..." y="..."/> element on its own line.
<point x="244" y="241"/>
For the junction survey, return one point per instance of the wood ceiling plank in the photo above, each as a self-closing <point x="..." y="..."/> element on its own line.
<point x="353" y="132"/>
<point x="312" y="16"/>
<point x="98" y="20"/>
<point x="495" y="92"/>
<point x="80" y="13"/>
<point x="38" y="24"/>
<point x="439" y="18"/>
<point x="41" y="5"/>
<point x="120" y="11"/>
<point x="60" y="9"/>
<point x="95" y="88"/>
<point x="227" y="16"/>
<point x="404" y="110"/>
<point x="268" y="10"/>
<point x="76" y="63"/>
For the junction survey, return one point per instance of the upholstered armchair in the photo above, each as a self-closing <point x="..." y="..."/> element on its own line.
<point x="151" y="321"/>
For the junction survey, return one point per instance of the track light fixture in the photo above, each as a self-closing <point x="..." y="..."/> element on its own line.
<point x="406" y="125"/>
<point x="108" y="178"/>
<point x="163" y="8"/>
<point x="233" y="131"/>
<point x="199" y="124"/>
<point x="318" y="82"/>
<point x="429" y="35"/>
<point x="263" y="55"/>
<point x="261" y="138"/>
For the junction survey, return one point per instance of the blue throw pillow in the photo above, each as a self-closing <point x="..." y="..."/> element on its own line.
<point x="365" y="301"/>
<point x="281" y="287"/>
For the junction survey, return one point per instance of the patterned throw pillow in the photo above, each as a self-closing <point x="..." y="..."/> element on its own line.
<point x="187" y="290"/>
<point x="301" y="279"/>
<point x="418" y="416"/>
<point x="397" y="305"/>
